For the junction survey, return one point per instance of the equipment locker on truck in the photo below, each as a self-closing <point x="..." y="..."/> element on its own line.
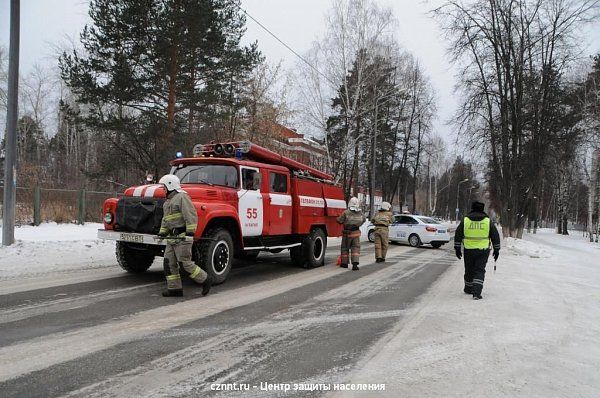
<point x="248" y="198"/>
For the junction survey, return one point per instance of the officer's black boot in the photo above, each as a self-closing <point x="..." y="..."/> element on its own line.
<point x="477" y="296"/>
<point x="355" y="267"/>
<point x="172" y="293"/>
<point x="206" y="285"/>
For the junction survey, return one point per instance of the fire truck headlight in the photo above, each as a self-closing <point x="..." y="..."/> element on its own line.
<point x="108" y="217"/>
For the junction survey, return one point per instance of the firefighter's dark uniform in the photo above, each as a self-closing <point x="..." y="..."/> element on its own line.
<point x="350" y="249"/>
<point x="382" y="220"/>
<point x="179" y="219"/>
<point x="474" y="233"/>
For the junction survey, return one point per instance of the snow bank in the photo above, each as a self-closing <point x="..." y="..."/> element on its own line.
<point x="52" y="247"/>
<point x="522" y="247"/>
<point x="535" y="333"/>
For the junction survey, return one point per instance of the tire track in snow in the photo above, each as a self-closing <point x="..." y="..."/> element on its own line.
<point x="234" y="354"/>
<point x="43" y="352"/>
<point x="25" y="311"/>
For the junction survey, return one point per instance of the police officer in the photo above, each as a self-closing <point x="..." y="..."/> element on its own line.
<point x="352" y="218"/>
<point x="179" y="221"/>
<point x="475" y="232"/>
<point x="382" y="220"/>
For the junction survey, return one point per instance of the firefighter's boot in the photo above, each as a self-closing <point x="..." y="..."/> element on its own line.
<point x="355" y="267"/>
<point x="172" y="293"/>
<point x="206" y="285"/>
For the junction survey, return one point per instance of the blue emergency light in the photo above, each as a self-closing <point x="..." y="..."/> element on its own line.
<point x="179" y="155"/>
<point x="238" y="153"/>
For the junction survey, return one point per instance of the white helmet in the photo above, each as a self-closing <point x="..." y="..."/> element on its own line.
<point x="385" y="206"/>
<point x="171" y="183"/>
<point x="353" y="204"/>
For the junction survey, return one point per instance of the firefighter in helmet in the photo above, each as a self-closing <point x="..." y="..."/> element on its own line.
<point x="382" y="220"/>
<point x="352" y="218"/>
<point x="474" y="233"/>
<point x="179" y="221"/>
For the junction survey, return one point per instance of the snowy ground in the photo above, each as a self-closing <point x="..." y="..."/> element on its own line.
<point x="53" y="247"/>
<point x="535" y="333"/>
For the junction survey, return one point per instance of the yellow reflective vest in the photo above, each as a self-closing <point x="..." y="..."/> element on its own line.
<point x="477" y="233"/>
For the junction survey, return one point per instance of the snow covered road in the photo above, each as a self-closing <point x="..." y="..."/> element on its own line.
<point x="111" y="334"/>
<point x="535" y="334"/>
<point x="85" y="328"/>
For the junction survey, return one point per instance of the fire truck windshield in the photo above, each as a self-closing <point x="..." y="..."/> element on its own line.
<point x="211" y="174"/>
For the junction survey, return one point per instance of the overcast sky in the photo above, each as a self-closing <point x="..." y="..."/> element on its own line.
<point x="296" y="22"/>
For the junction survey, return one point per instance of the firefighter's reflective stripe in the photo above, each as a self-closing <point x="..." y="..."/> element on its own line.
<point x="173" y="216"/>
<point x="477" y="234"/>
<point x="190" y="228"/>
<point x="163" y="230"/>
<point x="173" y="277"/>
<point x="195" y="273"/>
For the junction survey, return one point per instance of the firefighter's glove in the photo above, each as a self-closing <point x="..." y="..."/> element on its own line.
<point x="458" y="252"/>
<point x="496" y="254"/>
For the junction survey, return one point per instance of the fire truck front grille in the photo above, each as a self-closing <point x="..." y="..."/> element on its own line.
<point x="141" y="215"/>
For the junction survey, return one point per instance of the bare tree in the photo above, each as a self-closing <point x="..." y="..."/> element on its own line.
<point x="512" y="54"/>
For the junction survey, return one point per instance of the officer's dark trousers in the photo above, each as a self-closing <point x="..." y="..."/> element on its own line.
<point x="475" y="262"/>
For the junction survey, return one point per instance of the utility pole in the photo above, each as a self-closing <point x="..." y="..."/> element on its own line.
<point x="10" y="165"/>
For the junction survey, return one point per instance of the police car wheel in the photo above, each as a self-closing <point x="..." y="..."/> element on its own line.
<point x="216" y="254"/>
<point x="414" y="240"/>
<point x="371" y="235"/>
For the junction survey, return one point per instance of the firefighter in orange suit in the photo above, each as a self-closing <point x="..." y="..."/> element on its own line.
<point x="178" y="225"/>
<point x="352" y="218"/>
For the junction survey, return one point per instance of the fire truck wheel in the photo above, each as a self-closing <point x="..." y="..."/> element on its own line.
<point x="216" y="254"/>
<point x="133" y="258"/>
<point x="297" y="256"/>
<point x="315" y="246"/>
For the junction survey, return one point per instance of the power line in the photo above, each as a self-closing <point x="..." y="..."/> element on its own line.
<point x="286" y="46"/>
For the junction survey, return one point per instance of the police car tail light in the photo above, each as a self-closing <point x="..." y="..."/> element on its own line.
<point x="430" y="229"/>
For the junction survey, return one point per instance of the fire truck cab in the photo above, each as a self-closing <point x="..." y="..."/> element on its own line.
<point x="248" y="200"/>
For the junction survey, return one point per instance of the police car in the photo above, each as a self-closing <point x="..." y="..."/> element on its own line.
<point x="415" y="230"/>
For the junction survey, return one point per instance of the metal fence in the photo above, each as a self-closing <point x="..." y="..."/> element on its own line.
<point x="36" y="205"/>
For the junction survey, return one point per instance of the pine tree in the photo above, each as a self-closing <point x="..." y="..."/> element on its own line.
<point x="153" y="72"/>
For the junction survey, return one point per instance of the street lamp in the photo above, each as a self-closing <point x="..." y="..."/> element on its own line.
<point x="457" y="192"/>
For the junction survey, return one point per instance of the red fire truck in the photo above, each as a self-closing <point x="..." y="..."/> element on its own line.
<point x="248" y="198"/>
